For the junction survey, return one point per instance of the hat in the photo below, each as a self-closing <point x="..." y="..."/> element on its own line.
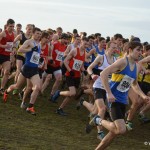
<point x="135" y="39"/>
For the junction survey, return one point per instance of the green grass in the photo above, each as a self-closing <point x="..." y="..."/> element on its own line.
<point x="49" y="131"/>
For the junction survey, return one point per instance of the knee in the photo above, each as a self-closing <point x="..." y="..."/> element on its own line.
<point x="48" y="78"/>
<point x="37" y="88"/>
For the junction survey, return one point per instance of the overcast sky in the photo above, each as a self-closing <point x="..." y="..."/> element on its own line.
<point x="128" y="17"/>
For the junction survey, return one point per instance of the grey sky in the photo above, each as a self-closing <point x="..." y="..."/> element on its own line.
<point x="129" y="17"/>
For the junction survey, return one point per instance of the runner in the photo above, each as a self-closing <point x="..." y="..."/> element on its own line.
<point x="29" y="71"/>
<point x="102" y="61"/>
<point x="74" y="64"/>
<point x="6" y="48"/>
<point x="124" y="74"/>
<point x="54" y="64"/>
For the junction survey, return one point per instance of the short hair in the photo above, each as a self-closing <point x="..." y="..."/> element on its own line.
<point x="64" y="36"/>
<point x="36" y="29"/>
<point x="59" y="28"/>
<point x="107" y="39"/>
<point x="147" y="47"/>
<point x="133" y="45"/>
<point x="91" y="37"/>
<point x="101" y="39"/>
<point x="75" y="31"/>
<point x="18" y="25"/>
<point x="125" y="40"/>
<point x="45" y="34"/>
<point x="10" y="21"/>
<point x="84" y="34"/>
<point x="145" y="43"/>
<point x="97" y="34"/>
<point x="85" y="39"/>
<point x="116" y="36"/>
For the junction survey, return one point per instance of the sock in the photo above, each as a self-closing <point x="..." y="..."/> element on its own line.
<point x="98" y="121"/>
<point x="99" y="131"/>
<point x="128" y="121"/>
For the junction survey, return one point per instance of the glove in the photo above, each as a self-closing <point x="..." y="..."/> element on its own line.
<point x="41" y="60"/>
<point x="85" y="72"/>
<point x="35" y="48"/>
<point x="71" y="73"/>
<point x="51" y="61"/>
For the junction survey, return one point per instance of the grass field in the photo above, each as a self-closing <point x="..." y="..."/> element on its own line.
<point x="49" y="131"/>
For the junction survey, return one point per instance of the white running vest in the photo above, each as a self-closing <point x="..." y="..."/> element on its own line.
<point x="97" y="83"/>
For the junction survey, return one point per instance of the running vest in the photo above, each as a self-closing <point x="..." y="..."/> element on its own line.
<point x="43" y="56"/>
<point x="90" y="57"/>
<point x="58" y="53"/>
<point x="142" y="76"/>
<point x="21" y="43"/>
<point x="97" y="83"/>
<point x="33" y="57"/>
<point x="7" y="40"/>
<point x="75" y="64"/>
<point x="146" y="77"/>
<point x="121" y="81"/>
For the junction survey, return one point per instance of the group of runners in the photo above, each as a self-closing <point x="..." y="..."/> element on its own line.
<point x="104" y="75"/>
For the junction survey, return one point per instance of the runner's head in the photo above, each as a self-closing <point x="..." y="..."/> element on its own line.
<point x="18" y="28"/>
<point x="45" y="37"/>
<point x="37" y="34"/>
<point x="102" y="42"/>
<point x="147" y="50"/>
<point x="10" y="25"/>
<point x="29" y="28"/>
<point x="118" y="39"/>
<point x="91" y="40"/>
<point x="77" y="40"/>
<point x="64" y="38"/>
<point x="84" y="43"/>
<point x="135" y="50"/>
<point x="111" y="47"/>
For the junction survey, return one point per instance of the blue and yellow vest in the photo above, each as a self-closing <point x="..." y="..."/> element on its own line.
<point x="121" y="81"/>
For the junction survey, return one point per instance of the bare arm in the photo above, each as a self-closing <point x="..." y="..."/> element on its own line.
<point x="92" y="51"/>
<point x="143" y="61"/>
<point x="69" y="56"/>
<point x="97" y="61"/>
<point x="18" y="38"/>
<point x="26" y="47"/>
<point x="68" y="49"/>
<point x="2" y="34"/>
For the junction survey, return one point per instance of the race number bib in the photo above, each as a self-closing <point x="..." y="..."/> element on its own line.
<point x="77" y="65"/>
<point x="125" y="84"/>
<point x="35" y="58"/>
<point x="9" y="49"/>
<point x="59" y="56"/>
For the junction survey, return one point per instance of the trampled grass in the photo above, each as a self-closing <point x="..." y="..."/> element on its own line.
<point x="49" y="131"/>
